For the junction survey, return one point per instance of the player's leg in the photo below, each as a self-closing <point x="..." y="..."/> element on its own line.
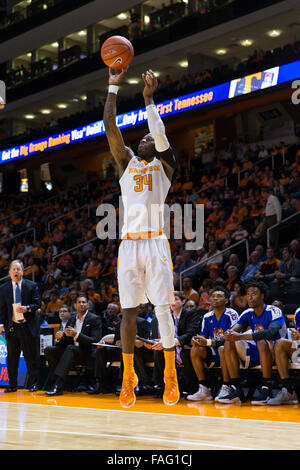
<point x="128" y="334"/>
<point x="131" y="291"/>
<point x="225" y="389"/>
<point x="266" y="361"/>
<point x="167" y="333"/>
<point x="231" y="364"/>
<point x="232" y="361"/>
<point x="283" y="353"/>
<point x="160" y="291"/>
<point x="199" y="356"/>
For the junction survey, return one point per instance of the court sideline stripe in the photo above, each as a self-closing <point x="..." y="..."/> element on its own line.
<point x="152" y="413"/>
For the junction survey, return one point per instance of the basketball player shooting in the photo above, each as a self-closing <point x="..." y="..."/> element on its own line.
<point x="144" y="263"/>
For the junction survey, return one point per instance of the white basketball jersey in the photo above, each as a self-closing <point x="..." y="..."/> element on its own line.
<point x="144" y="188"/>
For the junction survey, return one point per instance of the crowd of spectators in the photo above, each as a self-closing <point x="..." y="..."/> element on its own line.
<point x="235" y="189"/>
<point x="235" y="210"/>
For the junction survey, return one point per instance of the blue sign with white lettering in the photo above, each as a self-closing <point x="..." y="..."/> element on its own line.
<point x="234" y="88"/>
<point x="22" y="371"/>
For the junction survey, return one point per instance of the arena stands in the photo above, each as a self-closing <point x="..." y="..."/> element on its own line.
<point x="64" y="257"/>
<point x="56" y="239"/>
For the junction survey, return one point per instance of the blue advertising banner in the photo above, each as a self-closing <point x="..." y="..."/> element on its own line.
<point x="234" y="88"/>
<point x="22" y="371"/>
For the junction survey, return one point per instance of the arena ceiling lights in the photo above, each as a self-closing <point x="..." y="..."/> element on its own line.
<point x="274" y="33"/>
<point x="246" y="42"/>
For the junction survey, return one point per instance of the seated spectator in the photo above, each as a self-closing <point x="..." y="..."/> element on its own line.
<point x="200" y="254"/>
<point x="289" y="269"/>
<point x="116" y="299"/>
<point x="145" y="311"/>
<point x="252" y="267"/>
<point x="205" y="291"/>
<point x="295" y="247"/>
<point x="104" y="354"/>
<point x="208" y="345"/>
<point x="268" y="267"/>
<point x="261" y="251"/>
<point x="220" y="232"/>
<point x="43" y="323"/>
<point x="68" y="271"/>
<point x="188" y="290"/>
<point x="177" y="263"/>
<point x="32" y="268"/>
<point x="233" y="225"/>
<point x="214" y="274"/>
<point x="75" y="346"/>
<point x="63" y="289"/>
<point x="106" y="291"/>
<point x="234" y="260"/>
<point x="263" y="153"/>
<point x="214" y="254"/>
<point x="64" y="314"/>
<point x="190" y="305"/>
<point x="106" y="270"/>
<point x="287" y="350"/>
<point x="53" y="307"/>
<point x="187" y="263"/>
<point x="83" y="278"/>
<point x="93" y="268"/>
<point x="233" y="275"/>
<point x="58" y="237"/>
<point x="259" y="226"/>
<point x="227" y="242"/>
<point x="239" y="234"/>
<point x="93" y="296"/>
<point x="111" y="318"/>
<point x="238" y="298"/>
<point x="252" y="346"/>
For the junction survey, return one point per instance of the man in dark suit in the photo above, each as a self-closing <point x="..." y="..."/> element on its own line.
<point x="106" y="354"/>
<point x="187" y="323"/>
<point x="19" y="301"/>
<point x="75" y="345"/>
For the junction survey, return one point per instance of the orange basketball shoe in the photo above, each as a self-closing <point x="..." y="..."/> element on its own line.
<point x="127" y="395"/>
<point x="171" y="392"/>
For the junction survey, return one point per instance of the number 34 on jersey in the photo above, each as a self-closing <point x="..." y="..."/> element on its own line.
<point x="142" y="181"/>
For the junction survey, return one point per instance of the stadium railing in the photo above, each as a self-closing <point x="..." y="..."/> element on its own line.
<point x="19" y="234"/>
<point x="59" y="255"/>
<point x="203" y="262"/>
<point x="278" y="225"/>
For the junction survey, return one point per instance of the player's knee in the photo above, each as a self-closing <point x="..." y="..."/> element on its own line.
<point x="166" y="326"/>
<point x="221" y="351"/>
<point x="129" y="314"/>
<point x="197" y="351"/>
<point x="228" y="346"/>
<point x="279" y="345"/>
<point x="262" y="346"/>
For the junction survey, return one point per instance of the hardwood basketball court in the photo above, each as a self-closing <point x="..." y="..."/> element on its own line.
<point x="77" y="421"/>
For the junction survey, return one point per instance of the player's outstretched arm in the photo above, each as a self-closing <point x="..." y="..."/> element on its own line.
<point x="120" y="152"/>
<point x="156" y="126"/>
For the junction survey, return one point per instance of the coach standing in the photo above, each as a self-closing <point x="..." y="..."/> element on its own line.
<point x="21" y="324"/>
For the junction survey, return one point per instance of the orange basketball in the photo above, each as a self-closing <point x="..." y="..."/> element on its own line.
<point x="117" y="52"/>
